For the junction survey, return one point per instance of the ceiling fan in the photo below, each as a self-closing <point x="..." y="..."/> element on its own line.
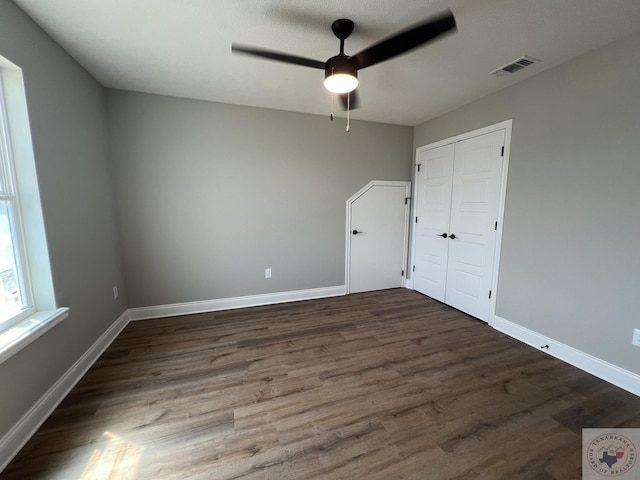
<point x="341" y="71"/>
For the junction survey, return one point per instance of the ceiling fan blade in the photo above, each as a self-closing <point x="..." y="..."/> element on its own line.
<point x="406" y="40"/>
<point x="280" y="57"/>
<point x="350" y="100"/>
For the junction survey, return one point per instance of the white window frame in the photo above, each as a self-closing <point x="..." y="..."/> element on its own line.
<point x="11" y="197"/>
<point x="18" y="173"/>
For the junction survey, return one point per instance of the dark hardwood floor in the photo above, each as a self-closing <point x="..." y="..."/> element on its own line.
<point x="381" y="385"/>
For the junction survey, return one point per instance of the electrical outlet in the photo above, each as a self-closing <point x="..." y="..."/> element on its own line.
<point x="115" y="292"/>
<point x="267" y="273"/>
<point x="636" y="337"/>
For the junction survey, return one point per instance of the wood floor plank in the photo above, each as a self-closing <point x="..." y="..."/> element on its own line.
<point x="380" y="385"/>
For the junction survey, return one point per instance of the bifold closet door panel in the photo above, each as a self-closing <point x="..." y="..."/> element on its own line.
<point x="475" y="204"/>
<point x="433" y="214"/>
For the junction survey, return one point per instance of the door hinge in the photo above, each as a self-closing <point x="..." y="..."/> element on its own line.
<point x="414" y="268"/>
<point x="406" y="200"/>
<point x="496" y="227"/>
<point x="418" y="165"/>
<point x="502" y="153"/>
<point x="416" y="219"/>
<point x="402" y="274"/>
<point x="489" y="293"/>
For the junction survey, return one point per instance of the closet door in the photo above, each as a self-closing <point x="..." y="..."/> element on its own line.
<point x="377" y="231"/>
<point x="474" y="212"/>
<point x="433" y="213"/>
<point x="456" y="213"/>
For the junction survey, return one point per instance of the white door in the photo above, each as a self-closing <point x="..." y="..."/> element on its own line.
<point x="433" y="204"/>
<point x="458" y="188"/>
<point x="474" y="213"/>
<point x="377" y="236"/>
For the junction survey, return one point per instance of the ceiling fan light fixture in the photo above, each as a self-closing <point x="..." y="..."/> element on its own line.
<point x="341" y="83"/>
<point x="340" y="76"/>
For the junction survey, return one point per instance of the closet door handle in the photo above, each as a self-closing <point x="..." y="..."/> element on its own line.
<point x="355" y="232"/>
<point x="452" y="236"/>
<point x="443" y="235"/>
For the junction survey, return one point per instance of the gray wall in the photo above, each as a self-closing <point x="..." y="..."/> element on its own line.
<point x="209" y="195"/>
<point x="570" y="258"/>
<point x="67" y="111"/>
<point x="212" y="194"/>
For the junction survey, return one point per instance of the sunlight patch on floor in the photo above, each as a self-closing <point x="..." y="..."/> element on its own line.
<point x="119" y="460"/>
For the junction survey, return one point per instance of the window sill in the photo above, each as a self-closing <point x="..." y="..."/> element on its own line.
<point x="23" y="333"/>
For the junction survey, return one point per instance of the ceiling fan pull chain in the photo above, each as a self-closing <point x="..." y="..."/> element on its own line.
<point x="348" y="110"/>
<point x="332" y="97"/>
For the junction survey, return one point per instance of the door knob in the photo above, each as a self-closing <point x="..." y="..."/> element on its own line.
<point x="443" y="235"/>
<point x="355" y="232"/>
<point x="452" y="236"/>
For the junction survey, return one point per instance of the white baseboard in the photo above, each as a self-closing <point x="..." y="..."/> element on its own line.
<point x="408" y="283"/>
<point x="606" y="371"/>
<point x="172" y="310"/>
<point x="22" y="431"/>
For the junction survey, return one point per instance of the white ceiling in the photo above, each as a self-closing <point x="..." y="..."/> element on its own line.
<point x="183" y="47"/>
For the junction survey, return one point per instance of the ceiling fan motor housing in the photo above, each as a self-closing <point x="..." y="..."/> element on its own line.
<point x="340" y="64"/>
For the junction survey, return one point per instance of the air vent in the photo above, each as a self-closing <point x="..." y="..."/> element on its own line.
<point x="514" y="66"/>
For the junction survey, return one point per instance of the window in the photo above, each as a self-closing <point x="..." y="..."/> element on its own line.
<point x="15" y="287"/>
<point x="27" y="301"/>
